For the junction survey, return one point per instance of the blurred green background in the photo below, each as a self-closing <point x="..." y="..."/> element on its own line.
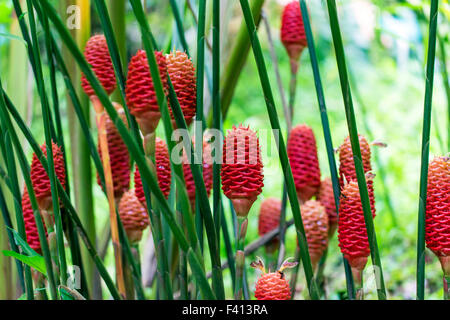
<point x="385" y="44"/>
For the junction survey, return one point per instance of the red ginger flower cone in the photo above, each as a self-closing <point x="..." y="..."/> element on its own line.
<point x="302" y="153"/>
<point x="133" y="216"/>
<point x="40" y="179"/>
<point x="293" y="31"/>
<point x="118" y="155"/>
<point x="30" y="223"/>
<point x="437" y="218"/>
<point x="346" y="162"/>
<point x="163" y="172"/>
<point x="352" y="234"/>
<point x="182" y="74"/>
<point x="315" y="222"/>
<point x="347" y="165"/>
<point x="97" y="55"/>
<point x="140" y="90"/>
<point x="207" y="173"/>
<point x="269" y="219"/>
<point x="272" y="285"/>
<point x="242" y="176"/>
<point x="326" y="198"/>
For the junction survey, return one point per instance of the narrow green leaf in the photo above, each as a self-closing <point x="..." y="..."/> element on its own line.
<point x="36" y="262"/>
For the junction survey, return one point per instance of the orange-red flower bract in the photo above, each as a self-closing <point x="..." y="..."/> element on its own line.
<point x="163" y="172"/>
<point x="40" y="179"/>
<point x="437" y="218"/>
<point x="326" y="198"/>
<point x="302" y="153"/>
<point x="207" y="173"/>
<point x="315" y="222"/>
<point x="242" y="176"/>
<point x="352" y="234"/>
<point x="347" y="165"/>
<point x="346" y="162"/>
<point x="118" y="155"/>
<point x="292" y="30"/>
<point x="97" y="55"/>
<point x="272" y="286"/>
<point x="133" y="216"/>
<point x="182" y="74"/>
<point x="30" y="223"/>
<point x="269" y="219"/>
<point x="140" y="90"/>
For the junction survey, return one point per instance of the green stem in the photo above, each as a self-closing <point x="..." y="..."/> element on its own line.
<point x="217" y="120"/>
<point x="64" y="198"/>
<point x="117" y="12"/>
<point x="445" y="80"/>
<point x="326" y="134"/>
<point x="426" y="149"/>
<point x="446" y="287"/>
<point x="351" y="123"/>
<point x="240" y="257"/>
<point x="275" y="124"/>
<point x="199" y="127"/>
<point x="294" y="275"/>
<point x="79" y="145"/>
<point x="11" y="140"/>
<point x="238" y="58"/>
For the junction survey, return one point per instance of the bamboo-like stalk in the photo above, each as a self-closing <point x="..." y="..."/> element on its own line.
<point x="55" y="209"/>
<point x="237" y="59"/>
<point x="425" y="150"/>
<point x="446" y="82"/>
<point x="103" y="142"/>
<point x="217" y="119"/>
<point x="17" y="74"/>
<point x="79" y="146"/>
<point x="288" y="119"/>
<point x="181" y="124"/>
<point x="287" y="171"/>
<point x="7" y="286"/>
<point x="200" y="78"/>
<point x="11" y="140"/>
<point x="117" y="12"/>
<point x="193" y="258"/>
<point x="64" y="198"/>
<point x="351" y="123"/>
<point x="327" y="137"/>
<point x="68" y="225"/>
<point x="149" y="143"/>
<point x="381" y="171"/>
<point x="179" y="23"/>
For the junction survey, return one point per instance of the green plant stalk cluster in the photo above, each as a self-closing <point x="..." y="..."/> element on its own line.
<point x="353" y="132"/>
<point x="287" y="171"/>
<point x="426" y="149"/>
<point x="327" y="136"/>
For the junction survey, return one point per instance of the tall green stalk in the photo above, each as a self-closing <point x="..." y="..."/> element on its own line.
<point x="426" y="149"/>
<point x="80" y="162"/>
<point x="61" y="262"/>
<point x="326" y="131"/>
<point x="217" y="119"/>
<point x="446" y="82"/>
<point x="351" y="123"/>
<point x="200" y="76"/>
<point x="10" y="140"/>
<point x="117" y="12"/>
<point x="237" y="59"/>
<point x="62" y="193"/>
<point x="193" y="258"/>
<point x="287" y="171"/>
